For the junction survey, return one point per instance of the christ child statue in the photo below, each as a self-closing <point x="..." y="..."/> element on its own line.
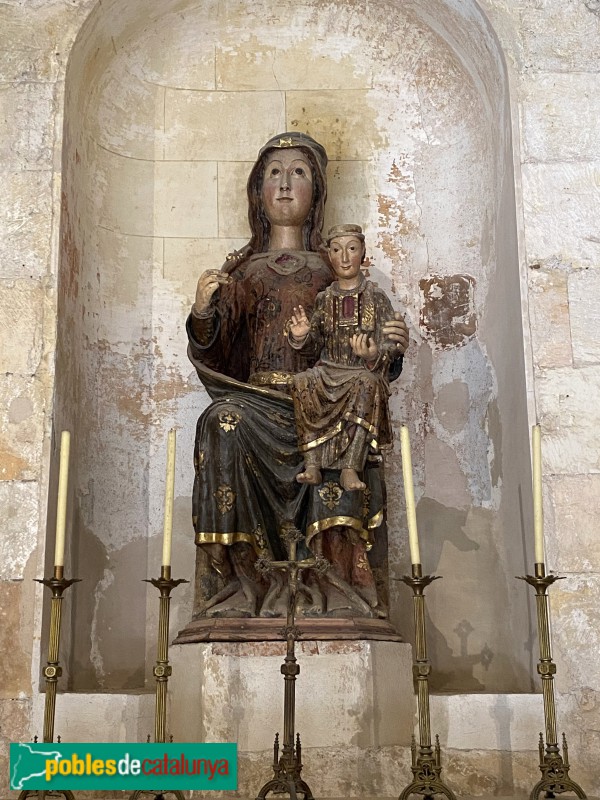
<point x="341" y="404"/>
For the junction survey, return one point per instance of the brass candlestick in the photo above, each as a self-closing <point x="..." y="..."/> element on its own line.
<point x="52" y="671"/>
<point x="426" y="762"/>
<point x="287" y="768"/>
<point x="553" y="766"/>
<point x="165" y="585"/>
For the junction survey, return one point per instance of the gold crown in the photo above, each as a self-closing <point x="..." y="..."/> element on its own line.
<point x="296" y="139"/>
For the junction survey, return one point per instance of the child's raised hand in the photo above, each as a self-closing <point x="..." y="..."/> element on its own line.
<point x="364" y="347"/>
<point x="299" y="323"/>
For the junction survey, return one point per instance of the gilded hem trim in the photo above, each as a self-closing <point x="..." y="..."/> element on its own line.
<point x="375" y="521"/>
<point x="331" y="522"/>
<point x="362" y="422"/>
<point x="202" y="537"/>
<point x="302" y="448"/>
<point x="270" y="378"/>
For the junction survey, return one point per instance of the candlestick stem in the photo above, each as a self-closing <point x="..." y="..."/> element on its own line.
<point x="287" y="769"/>
<point x="52" y="671"/>
<point x="162" y="670"/>
<point x="553" y="766"/>
<point x="426" y="761"/>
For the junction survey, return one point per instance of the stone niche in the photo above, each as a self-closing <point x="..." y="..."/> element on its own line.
<point x="167" y="103"/>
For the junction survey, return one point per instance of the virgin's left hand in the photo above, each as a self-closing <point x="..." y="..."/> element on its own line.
<point x="397" y="332"/>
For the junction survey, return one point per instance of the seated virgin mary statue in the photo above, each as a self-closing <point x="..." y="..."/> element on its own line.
<point x="246" y="453"/>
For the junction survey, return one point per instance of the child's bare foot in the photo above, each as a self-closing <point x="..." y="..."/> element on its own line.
<point x="311" y="475"/>
<point x="350" y="481"/>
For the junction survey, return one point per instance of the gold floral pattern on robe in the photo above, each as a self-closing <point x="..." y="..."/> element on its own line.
<point x="228" y="420"/>
<point x="331" y="494"/>
<point x="225" y="497"/>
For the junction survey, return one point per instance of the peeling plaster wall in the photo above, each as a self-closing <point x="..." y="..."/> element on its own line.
<point x="552" y="51"/>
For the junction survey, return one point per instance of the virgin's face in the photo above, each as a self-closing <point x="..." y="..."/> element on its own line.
<point x="287" y="188"/>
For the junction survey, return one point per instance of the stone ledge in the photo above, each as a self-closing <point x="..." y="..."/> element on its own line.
<point x="259" y="629"/>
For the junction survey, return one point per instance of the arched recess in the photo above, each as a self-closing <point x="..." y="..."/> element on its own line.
<point x="167" y="103"/>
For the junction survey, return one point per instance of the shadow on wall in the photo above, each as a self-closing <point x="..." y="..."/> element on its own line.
<point x="470" y="641"/>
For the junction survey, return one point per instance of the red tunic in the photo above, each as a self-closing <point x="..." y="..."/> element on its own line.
<point x="246" y="338"/>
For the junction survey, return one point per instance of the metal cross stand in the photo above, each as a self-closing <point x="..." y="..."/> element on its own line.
<point x="165" y="584"/>
<point x="426" y="765"/>
<point x="287" y="767"/>
<point x="52" y="671"/>
<point x="553" y="766"/>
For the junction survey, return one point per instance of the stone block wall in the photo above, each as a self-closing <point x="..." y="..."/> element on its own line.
<point x="554" y="52"/>
<point x="35" y="40"/>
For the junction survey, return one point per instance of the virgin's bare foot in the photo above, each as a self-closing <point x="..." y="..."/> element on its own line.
<point x="350" y="481"/>
<point x="311" y="475"/>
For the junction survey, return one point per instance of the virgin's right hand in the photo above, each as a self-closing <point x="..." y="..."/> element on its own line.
<point x="208" y="283"/>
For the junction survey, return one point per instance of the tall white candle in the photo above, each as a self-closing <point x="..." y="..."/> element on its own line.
<point x="409" y="494"/>
<point x="61" y="509"/>
<point x="169" y="495"/>
<point x="538" y="517"/>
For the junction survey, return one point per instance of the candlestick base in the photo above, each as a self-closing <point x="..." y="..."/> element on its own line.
<point x="555" y="772"/>
<point x="156" y="795"/>
<point x="426" y="769"/>
<point x="286" y="774"/>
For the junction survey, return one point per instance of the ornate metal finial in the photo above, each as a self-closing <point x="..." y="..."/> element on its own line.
<point x="321" y="565"/>
<point x="263" y="565"/>
<point x="289" y="533"/>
